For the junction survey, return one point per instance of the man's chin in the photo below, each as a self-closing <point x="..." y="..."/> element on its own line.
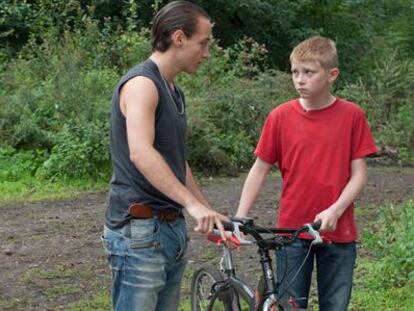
<point x="191" y="71"/>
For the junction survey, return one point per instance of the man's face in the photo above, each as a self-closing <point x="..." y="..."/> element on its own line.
<point x="310" y="78"/>
<point x="194" y="50"/>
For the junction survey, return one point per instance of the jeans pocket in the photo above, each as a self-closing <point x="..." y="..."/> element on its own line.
<point x="107" y="245"/>
<point x="143" y="233"/>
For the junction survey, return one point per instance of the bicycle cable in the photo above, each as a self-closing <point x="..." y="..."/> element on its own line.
<point x="296" y="275"/>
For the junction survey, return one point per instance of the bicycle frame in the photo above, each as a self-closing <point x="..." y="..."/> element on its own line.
<point x="239" y="285"/>
<point x="241" y="288"/>
<point x="230" y="289"/>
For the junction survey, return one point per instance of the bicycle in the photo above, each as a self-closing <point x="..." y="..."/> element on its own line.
<point x="214" y="289"/>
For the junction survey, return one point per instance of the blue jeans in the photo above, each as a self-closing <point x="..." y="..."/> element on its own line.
<point x="334" y="265"/>
<point x="147" y="260"/>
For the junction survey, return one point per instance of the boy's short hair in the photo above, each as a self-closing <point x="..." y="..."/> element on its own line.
<point x="316" y="48"/>
<point x="175" y="15"/>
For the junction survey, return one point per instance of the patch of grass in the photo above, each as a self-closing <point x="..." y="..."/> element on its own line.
<point x="185" y="305"/>
<point x="369" y="295"/>
<point x="13" y="303"/>
<point x="99" y="302"/>
<point x="32" y="189"/>
<point x="102" y="302"/>
<point x="61" y="290"/>
<point x="384" y="280"/>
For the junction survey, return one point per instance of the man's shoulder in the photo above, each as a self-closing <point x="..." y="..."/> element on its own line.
<point x="142" y="69"/>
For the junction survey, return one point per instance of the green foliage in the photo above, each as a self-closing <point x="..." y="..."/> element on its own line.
<point x="386" y="277"/>
<point x="387" y="97"/>
<point x="226" y="109"/>
<point x="393" y="246"/>
<point x="16" y="165"/>
<point x="60" y="61"/>
<point x="16" y="18"/>
<point x="80" y="150"/>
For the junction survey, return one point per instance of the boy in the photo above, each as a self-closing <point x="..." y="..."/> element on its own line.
<point x="319" y="143"/>
<point x="145" y="234"/>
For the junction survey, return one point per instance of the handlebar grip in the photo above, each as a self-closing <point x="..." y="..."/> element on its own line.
<point x="317" y="225"/>
<point x="313" y="231"/>
<point x="228" y="226"/>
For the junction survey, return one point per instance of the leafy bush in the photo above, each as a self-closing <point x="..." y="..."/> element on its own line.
<point x="16" y="165"/>
<point x="387" y="97"/>
<point x="393" y="246"/>
<point x="80" y="150"/>
<point x="56" y="92"/>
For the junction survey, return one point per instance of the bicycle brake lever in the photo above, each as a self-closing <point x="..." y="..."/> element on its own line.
<point x="239" y="235"/>
<point x="317" y="240"/>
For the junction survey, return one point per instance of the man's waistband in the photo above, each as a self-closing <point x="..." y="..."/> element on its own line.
<point x="142" y="211"/>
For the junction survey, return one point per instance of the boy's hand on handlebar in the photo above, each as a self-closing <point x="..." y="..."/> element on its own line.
<point x="329" y="220"/>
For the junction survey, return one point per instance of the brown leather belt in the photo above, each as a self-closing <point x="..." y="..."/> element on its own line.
<point x="142" y="211"/>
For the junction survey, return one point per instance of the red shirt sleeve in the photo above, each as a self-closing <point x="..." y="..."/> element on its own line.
<point x="266" y="148"/>
<point x="362" y="140"/>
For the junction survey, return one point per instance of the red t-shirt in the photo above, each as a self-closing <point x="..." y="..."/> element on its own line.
<point x="313" y="150"/>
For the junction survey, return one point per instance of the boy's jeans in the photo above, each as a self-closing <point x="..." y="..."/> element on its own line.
<point x="147" y="260"/>
<point x="335" y="265"/>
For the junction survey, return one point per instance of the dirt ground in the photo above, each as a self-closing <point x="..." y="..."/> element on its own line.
<point x="51" y="254"/>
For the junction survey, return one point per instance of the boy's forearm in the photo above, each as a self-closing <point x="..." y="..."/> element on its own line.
<point x="252" y="186"/>
<point x="353" y="188"/>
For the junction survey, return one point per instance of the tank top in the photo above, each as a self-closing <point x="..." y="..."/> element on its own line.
<point x="127" y="184"/>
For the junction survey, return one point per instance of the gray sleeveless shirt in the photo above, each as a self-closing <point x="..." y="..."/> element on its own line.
<point x="127" y="184"/>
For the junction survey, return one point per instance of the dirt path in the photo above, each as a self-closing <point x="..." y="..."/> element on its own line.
<point x="51" y="256"/>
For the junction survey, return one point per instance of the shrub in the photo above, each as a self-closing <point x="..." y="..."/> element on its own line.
<point x="393" y="246"/>
<point x="226" y="119"/>
<point x="80" y="150"/>
<point x="387" y="99"/>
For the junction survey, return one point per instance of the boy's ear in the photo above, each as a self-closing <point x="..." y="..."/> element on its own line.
<point x="333" y="74"/>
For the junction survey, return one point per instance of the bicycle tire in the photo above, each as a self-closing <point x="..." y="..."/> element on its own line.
<point x="203" y="295"/>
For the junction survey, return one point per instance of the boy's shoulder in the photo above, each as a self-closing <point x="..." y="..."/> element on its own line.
<point x="284" y="107"/>
<point x="349" y="106"/>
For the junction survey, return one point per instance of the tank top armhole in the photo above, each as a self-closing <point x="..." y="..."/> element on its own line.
<point x="141" y="74"/>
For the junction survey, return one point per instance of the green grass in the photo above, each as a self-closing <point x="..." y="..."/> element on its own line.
<point x="384" y="279"/>
<point x="99" y="302"/>
<point x="32" y="189"/>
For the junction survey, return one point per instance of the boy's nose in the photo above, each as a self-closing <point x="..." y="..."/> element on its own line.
<point x="300" y="79"/>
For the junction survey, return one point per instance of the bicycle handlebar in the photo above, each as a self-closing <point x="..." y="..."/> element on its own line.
<point x="247" y="226"/>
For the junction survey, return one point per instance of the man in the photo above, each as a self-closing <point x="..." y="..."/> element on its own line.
<point x="145" y="235"/>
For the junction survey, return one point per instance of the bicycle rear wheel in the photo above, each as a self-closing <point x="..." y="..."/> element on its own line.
<point x="208" y="291"/>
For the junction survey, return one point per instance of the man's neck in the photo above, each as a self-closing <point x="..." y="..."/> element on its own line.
<point x="317" y="103"/>
<point x="166" y="65"/>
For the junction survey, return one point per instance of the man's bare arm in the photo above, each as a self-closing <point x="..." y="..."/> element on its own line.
<point x="138" y="100"/>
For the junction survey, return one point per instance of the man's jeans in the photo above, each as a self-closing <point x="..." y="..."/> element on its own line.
<point x="147" y="260"/>
<point x="335" y="265"/>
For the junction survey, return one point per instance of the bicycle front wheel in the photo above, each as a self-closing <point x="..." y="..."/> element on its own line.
<point x="208" y="290"/>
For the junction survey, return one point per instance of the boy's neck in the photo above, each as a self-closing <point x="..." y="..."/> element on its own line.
<point x="317" y="103"/>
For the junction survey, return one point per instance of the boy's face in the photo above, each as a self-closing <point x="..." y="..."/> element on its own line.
<point x="311" y="80"/>
<point x="194" y="50"/>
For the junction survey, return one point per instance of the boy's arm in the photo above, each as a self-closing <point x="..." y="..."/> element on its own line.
<point x="252" y="186"/>
<point x="354" y="186"/>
